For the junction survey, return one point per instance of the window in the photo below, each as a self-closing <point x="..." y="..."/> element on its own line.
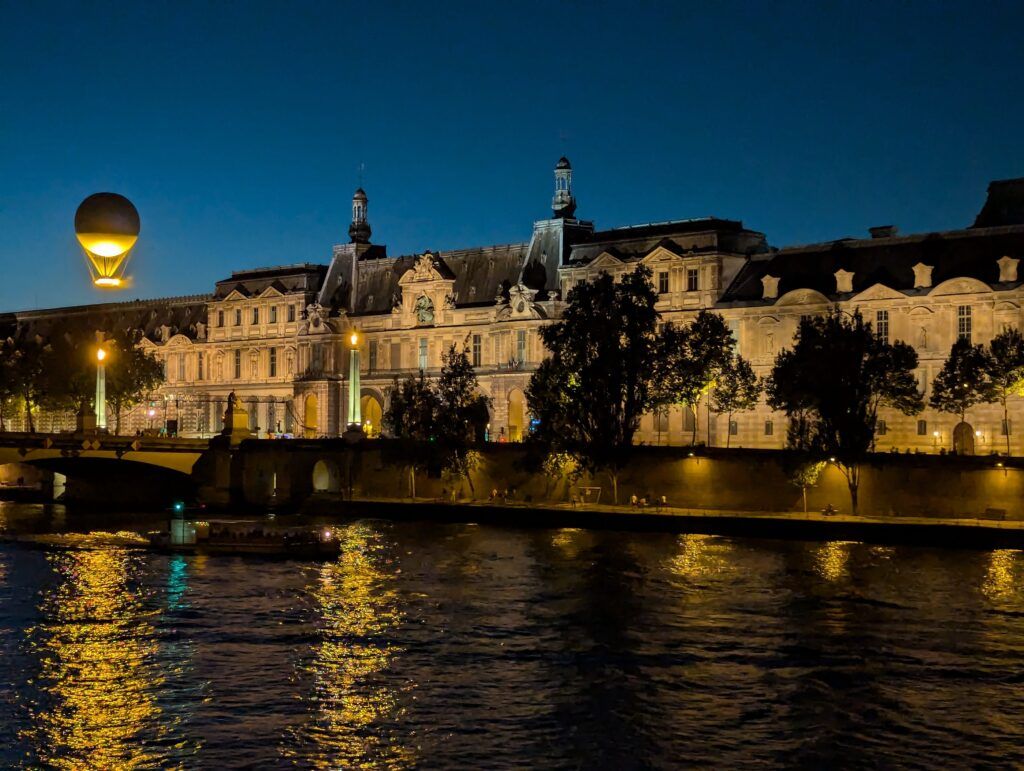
<point x="255" y="315"/>
<point x="688" y="419"/>
<point x="661" y="420"/>
<point x="663" y="282"/>
<point x="880" y="428"/>
<point x="692" y="282"/>
<point x="521" y="345"/>
<point x="423" y="353"/>
<point x="273" y="314"/>
<point x="291" y="313"/>
<point x="181" y="366"/>
<point x="882" y="325"/>
<point x="580" y="281"/>
<point x="238" y="363"/>
<point x="199" y="366"/>
<point x="396" y="356"/>
<point x="734" y="330"/>
<point x="373" y="355"/>
<point x="272" y="369"/>
<point x="220" y="318"/>
<point x="734" y="428"/>
<point x="238" y="317"/>
<point x="922" y="428"/>
<point x="1006" y="427"/>
<point x="769" y="428"/>
<point x="477" y="350"/>
<point x="963" y="323"/>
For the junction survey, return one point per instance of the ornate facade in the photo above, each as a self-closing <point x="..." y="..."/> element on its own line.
<point x="277" y="336"/>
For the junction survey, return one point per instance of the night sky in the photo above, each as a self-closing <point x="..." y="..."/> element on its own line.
<point x="238" y="128"/>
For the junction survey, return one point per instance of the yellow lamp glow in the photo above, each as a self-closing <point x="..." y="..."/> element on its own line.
<point x="107" y="226"/>
<point x="354" y="339"/>
<point x="100" y="354"/>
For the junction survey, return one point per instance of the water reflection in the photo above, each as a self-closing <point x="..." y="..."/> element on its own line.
<point x="97" y="675"/>
<point x="1000" y="577"/>
<point x="832" y="560"/>
<point x="700" y="555"/>
<point x="353" y="702"/>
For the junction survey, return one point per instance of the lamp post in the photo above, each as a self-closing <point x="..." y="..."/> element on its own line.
<point x="355" y="420"/>
<point x="101" y="389"/>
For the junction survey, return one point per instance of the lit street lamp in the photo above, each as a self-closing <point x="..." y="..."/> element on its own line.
<point x="101" y="389"/>
<point x="355" y="419"/>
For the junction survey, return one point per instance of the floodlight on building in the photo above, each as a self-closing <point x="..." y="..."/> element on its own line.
<point x="107" y="226"/>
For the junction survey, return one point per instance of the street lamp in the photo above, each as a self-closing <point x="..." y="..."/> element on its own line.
<point x="101" y="389"/>
<point x="355" y="420"/>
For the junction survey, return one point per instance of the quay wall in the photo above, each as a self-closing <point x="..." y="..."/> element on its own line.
<point x="290" y="473"/>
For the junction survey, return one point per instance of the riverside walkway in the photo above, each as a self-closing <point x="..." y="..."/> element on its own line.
<point x="965" y="532"/>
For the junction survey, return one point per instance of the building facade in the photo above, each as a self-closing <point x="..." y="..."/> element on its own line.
<point x="277" y="337"/>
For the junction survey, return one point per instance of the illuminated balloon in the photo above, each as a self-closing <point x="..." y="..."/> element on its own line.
<point x="107" y="226"/>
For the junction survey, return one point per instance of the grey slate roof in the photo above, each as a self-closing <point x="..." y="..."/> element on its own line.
<point x="888" y="261"/>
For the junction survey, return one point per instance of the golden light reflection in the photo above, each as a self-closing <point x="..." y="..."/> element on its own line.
<point x="358" y="606"/>
<point x="1000" y="577"/>
<point x="571" y="541"/>
<point x="699" y="556"/>
<point x="832" y="559"/>
<point x="96" y="647"/>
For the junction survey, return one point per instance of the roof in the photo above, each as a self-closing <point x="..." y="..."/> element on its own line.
<point x="478" y="273"/>
<point x="302" y="277"/>
<point x="888" y="261"/>
<point x="1004" y="204"/>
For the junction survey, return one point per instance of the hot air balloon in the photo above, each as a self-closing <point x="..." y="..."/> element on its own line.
<point x="107" y="227"/>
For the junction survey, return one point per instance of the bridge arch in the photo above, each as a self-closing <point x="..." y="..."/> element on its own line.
<point x="326" y="476"/>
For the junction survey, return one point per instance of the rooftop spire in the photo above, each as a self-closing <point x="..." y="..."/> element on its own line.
<point x="563" y="205"/>
<point x="359" y="231"/>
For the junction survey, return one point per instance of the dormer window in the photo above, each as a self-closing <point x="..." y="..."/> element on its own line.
<point x="692" y="280"/>
<point x="220" y="318"/>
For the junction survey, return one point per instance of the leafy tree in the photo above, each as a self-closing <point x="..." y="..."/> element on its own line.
<point x="25" y="365"/>
<point x="836" y="377"/>
<point x="410" y="420"/>
<point x="132" y="374"/>
<point x="438" y="421"/>
<point x="963" y="380"/>
<point x="590" y="394"/>
<point x="1006" y="371"/>
<point x="806" y="474"/>
<point x="460" y="409"/>
<point x="737" y="390"/>
<point x="693" y="358"/>
<point x="69" y="372"/>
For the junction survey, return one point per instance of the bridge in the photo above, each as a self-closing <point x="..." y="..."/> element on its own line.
<point x="119" y="469"/>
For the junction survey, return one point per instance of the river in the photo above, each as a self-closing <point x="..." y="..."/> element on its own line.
<point x="462" y="646"/>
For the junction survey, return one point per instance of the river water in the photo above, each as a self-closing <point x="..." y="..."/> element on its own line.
<point x="462" y="646"/>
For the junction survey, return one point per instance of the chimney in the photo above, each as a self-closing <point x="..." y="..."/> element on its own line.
<point x="770" y="285"/>
<point x="883" y="231"/>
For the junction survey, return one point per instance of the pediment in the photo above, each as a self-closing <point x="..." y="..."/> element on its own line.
<point x="802" y="297"/>
<point x="271" y="291"/>
<point x="1007" y="305"/>
<point x="878" y="292"/>
<point x="605" y="260"/>
<point x="921" y="310"/>
<point x="235" y="294"/>
<point x="961" y="285"/>
<point x="145" y="342"/>
<point x="659" y="254"/>
<point x="179" y="340"/>
<point x="766" y="320"/>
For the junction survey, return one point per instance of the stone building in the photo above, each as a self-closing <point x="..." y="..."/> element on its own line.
<point x="277" y="336"/>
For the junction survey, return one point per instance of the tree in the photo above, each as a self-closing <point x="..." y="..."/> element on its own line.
<point x="836" y="376"/>
<point x="460" y="409"/>
<point x="410" y="420"/>
<point x="132" y="374"/>
<point x="69" y="372"/>
<point x="1006" y="371"/>
<point x="806" y="474"/>
<point x="590" y="394"/>
<point x="693" y="358"/>
<point x="963" y="380"/>
<point x="737" y="390"/>
<point x="25" y="368"/>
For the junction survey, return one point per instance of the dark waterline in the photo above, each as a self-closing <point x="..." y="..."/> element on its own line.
<point x="465" y="646"/>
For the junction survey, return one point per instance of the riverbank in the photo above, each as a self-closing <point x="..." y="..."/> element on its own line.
<point x="970" y="533"/>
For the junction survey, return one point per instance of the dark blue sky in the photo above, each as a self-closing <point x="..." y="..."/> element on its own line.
<point x="237" y="128"/>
